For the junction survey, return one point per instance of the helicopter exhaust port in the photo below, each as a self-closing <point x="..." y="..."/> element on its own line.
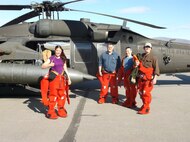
<point x="99" y="36"/>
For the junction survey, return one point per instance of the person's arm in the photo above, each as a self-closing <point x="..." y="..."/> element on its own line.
<point x="156" y="71"/>
<point x="66" y="71"/>
<point x="100" y="70"/>
<point x="154" y="79"/>
<point x="100" y="65"/>
<point x="47" y="64"/>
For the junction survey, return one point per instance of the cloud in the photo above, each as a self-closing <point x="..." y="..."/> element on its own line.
<point x="138" y="9"/>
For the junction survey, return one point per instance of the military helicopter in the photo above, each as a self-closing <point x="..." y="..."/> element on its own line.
<point x="22" y="43"/>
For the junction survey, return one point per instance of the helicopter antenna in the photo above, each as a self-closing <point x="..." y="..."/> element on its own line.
<point x="124" y="23"/>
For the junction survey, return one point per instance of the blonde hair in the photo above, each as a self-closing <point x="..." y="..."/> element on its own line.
<point x="46" y="54"/>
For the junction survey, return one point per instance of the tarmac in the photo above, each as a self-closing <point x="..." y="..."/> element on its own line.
<point x="22" y="116"/>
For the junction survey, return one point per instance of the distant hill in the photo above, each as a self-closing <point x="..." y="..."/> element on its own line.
<point x="176" y="39"/>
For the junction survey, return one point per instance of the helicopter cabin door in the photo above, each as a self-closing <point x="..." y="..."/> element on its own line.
<point x="83" y="57"/>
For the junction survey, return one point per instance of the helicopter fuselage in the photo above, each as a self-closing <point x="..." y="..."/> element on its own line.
<point x="21" y="44"/>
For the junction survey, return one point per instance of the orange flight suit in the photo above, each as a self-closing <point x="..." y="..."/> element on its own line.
<point x="145" y="87"/>
<point x="106" y="80"/>
<point x="44" y="83"/>
<point x="44" y="87"/>
<point x="130" y="88"/>
<point x="148" y="68"/>
<point x="57" y="95"/>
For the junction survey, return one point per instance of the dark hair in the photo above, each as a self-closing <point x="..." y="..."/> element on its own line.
<point x="63" y="57"/>
<point x="127" y="48"/>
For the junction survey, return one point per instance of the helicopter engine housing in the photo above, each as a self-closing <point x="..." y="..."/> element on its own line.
<point x="47" y="27"/>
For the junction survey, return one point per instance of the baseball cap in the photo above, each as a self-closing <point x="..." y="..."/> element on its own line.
<point x="148" y="45"/>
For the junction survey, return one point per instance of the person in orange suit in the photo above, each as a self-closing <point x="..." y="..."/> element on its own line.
<point x="109" y="63"/>
<point x="57" y="84"/>
<point x="148" y="72"/>
<point x="128" y="64"/>
<point x="44" y="83"/>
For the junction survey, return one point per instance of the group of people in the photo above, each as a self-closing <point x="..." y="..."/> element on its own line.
<point x="139" y="74"/>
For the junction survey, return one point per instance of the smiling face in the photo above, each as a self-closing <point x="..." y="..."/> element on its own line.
<point x="128" y="52"/>
<point x="147" y="49"/>
<point x="58" y="51"/>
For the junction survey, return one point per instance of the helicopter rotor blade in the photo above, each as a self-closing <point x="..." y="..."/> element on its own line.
<point x="59" y="6"/>
<point x="22" y="18"/>
<point x="46" y="6"/>
<point x="64" y="3"/>
<point x="14" y="7"/>
<point x="36" y="5"/>
<point x="125" y="19"/>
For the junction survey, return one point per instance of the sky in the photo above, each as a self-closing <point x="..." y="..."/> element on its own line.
<point x="172" y="14"/>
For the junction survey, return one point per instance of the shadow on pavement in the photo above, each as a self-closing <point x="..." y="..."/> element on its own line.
<point x="184" y="79"/>
<point x="14" y="91"/>
<point x="35" y="105"/>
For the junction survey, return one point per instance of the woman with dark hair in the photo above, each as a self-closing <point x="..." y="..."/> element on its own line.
<point x="57" y="83"/>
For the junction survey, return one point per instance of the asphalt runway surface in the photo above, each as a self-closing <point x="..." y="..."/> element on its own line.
<point x="22" y="116"/>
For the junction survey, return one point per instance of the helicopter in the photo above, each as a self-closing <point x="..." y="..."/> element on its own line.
<point x="22" y="44"/>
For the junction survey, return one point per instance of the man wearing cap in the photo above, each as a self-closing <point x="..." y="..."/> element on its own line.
<point x="109" y="63"/>
<point x="148" y="72"/>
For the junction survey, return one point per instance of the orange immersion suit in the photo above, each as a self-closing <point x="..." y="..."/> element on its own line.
<point x="44" y="83"/>
<point x="130" y="88"/>
<point x="58" y="86"/>
<point x="44" y="87"/>
<point x="106" y="80"/>
<point x="145" y="87"/>
<point x="57" y="95"/>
